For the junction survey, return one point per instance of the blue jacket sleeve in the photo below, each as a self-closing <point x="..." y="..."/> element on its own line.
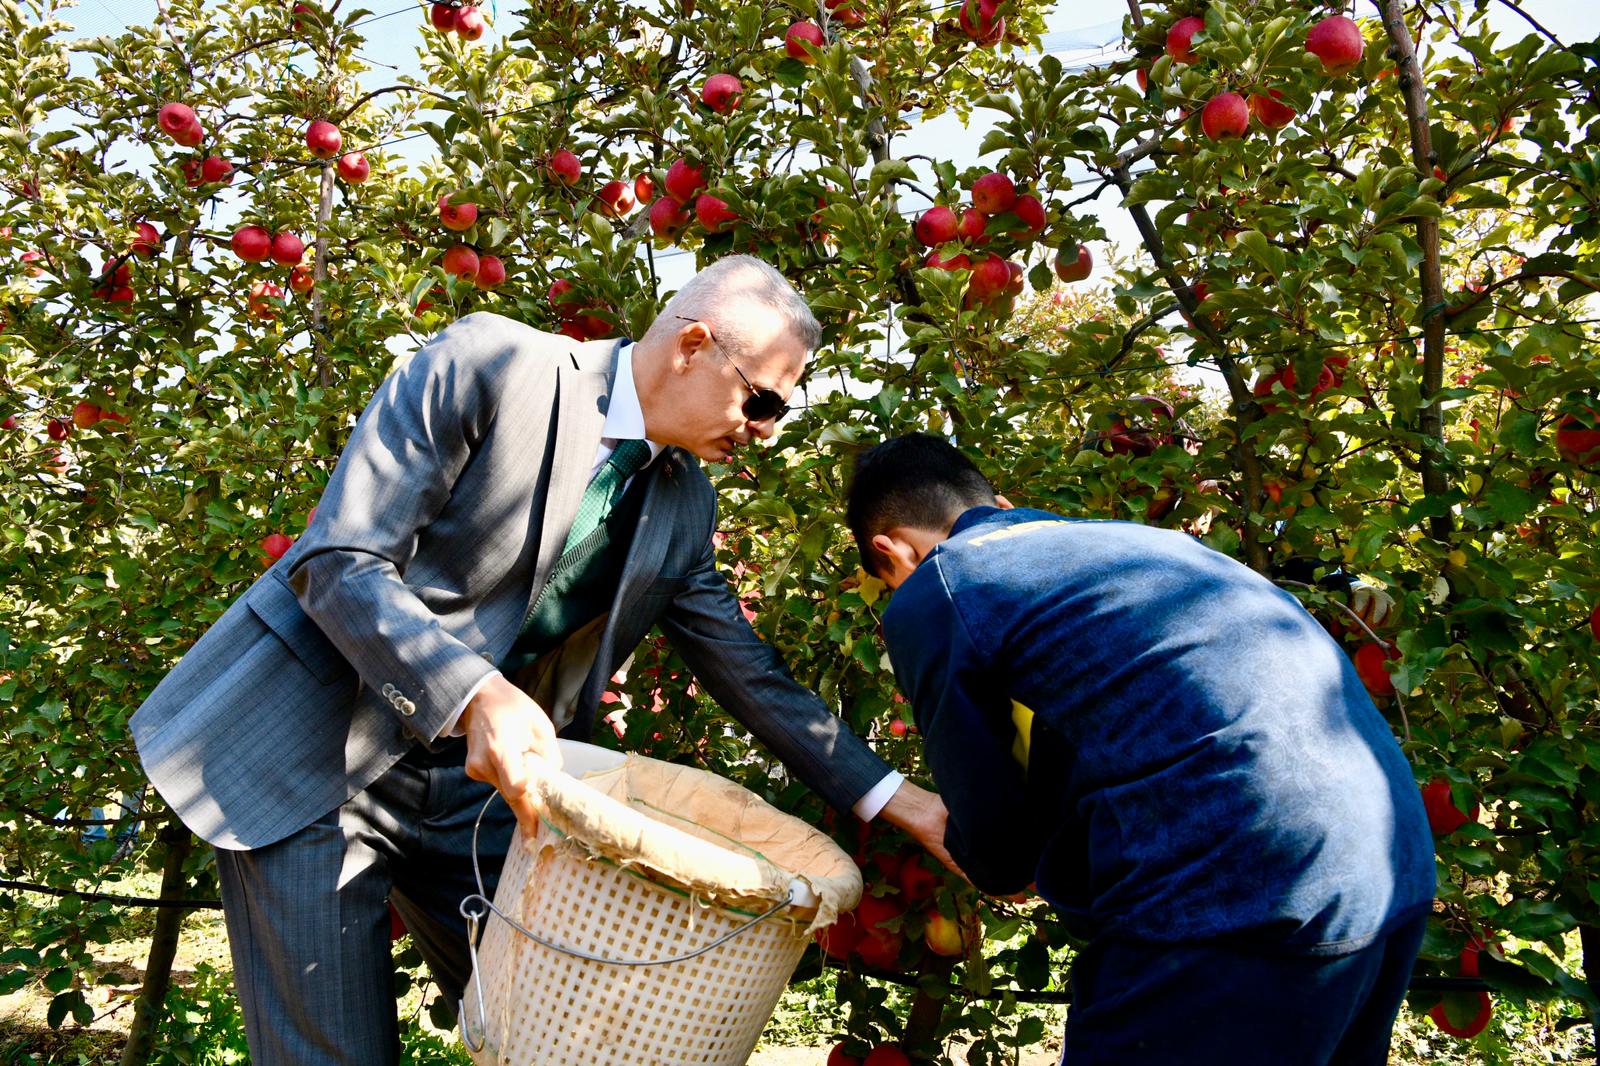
<point x="964" y="715"/>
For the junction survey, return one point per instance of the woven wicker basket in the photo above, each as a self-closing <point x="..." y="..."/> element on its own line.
<point x="537" y="1000"/>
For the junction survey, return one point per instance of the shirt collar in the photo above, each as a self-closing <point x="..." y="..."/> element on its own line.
<point x="624" y="414"/>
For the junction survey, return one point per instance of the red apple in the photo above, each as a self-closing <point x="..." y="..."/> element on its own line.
<point x="955" y="262"/>
<point x="1594" y="621"/>
<point x="9" y="423"/>
<point x="803" y="41"/>
<point x="251" y="243"/>
<point x="980" y="21"/>
<point x="668" y="218"/>
<point x="839" y="1056"/>
<point x="974" y="228"/>
<point x="1477" y="1024"/>
<point x="461" y="261"/>
<point x="443" y="17"/>
<point x="122" y="294"/>
<point x="491" y="272"/>
<point x="644" y="188"/>
<point x="302" y="279"/>
<point x="147" y="240"/>
<point x="899" y="728"/>
<point x="1142" y="76"/>
<point x="1444" y="817"/>
<point x="214" y="169"/>
<point x="989" y="279"/>
<point x="886" y="1055"/>
<point x="844" y="14"/>
<point x="174" y="118"/>
<point x="564" y="166"/>
<point x="916" y="881"/>
<point x="880" y="950"/>
<point x="840" y="939"/>
<point x="30" y="258"/>
<point x="276" y="545"/>
<point x="59" y="429"/>
<point x="323" y="139"/>
<point x="190" y="136"/>
<point x="1074" y="266"/>
<point x="1579" y="442"/>
<point x="993" y="193"/>
<point x="86" y="414"/>
<point x="1269" y="112"/>
<point x="1032" y="214"/>
<point x="562" y="298"/>
<point x="935" y="226"/>
<point x="470" y="24"/>
<point x="354" y="168"/>
<point x="1180" y="39"/>
<point x="262" y="295"/>
<point x="614" y="198"/>
<point x="722" y="93"/>
<point x="685" y="181"/>
<point x="713" y="213"/>
<point x="288" y="249"/>
<point x="1369" y="660"/>
<point x="457" y="217"/>
<point x="191" y="173"/>
<point x="1336" y="41"/>
<point x="1225" y="115"/>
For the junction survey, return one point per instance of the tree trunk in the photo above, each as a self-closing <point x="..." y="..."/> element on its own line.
<point x="148" y="1010"/>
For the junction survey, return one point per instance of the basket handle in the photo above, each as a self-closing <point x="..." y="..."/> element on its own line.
<point x="476" y="907"/>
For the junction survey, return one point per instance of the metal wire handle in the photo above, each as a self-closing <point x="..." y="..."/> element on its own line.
<point x="478" y="906"/>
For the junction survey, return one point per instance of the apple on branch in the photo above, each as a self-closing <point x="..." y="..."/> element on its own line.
<point x="323" y="139"/>
<point x="456" y="217"/>
<point x="564" y="166"/>
<point x="353" y="168"/>
<point x="461" y="261"/>
<point x="1180" y="39"/>
<point x="722" y="93"/>
<point x="802" y="41"/>
<point x="1337" y="41"/>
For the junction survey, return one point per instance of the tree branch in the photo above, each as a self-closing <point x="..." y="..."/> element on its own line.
<point x="1431" y="418"/>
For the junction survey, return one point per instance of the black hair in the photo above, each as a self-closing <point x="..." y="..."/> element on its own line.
<point x="918" y="481"/>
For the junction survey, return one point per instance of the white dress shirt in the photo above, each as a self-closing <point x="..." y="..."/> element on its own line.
<point x="625" y="421"/>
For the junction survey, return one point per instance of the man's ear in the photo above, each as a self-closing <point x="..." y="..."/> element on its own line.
<point x="1003" y="503"/>
<point x="689" y="342"/>
<point x="902" y="555"/>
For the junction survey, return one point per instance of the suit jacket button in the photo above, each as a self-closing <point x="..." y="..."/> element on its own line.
<point x="487" y="657"/>
<point x="388" y="691"/>
<point x="407" y="707"/>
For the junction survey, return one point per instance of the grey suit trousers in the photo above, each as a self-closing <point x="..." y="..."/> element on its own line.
<point x="308" y="924"/>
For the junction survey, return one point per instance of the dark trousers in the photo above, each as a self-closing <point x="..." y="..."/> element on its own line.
<point x="308" y="916"/>
<point x="1198" y="1004"/>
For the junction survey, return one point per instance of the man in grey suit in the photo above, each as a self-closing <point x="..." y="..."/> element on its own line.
<point x="511" y="515"/>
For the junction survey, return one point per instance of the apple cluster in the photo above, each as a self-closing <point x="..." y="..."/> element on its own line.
<point x="1335" y="41"/>
<point x="992" y="279"/>
<point x="465" y="21"/>
<point x="462" y="260"/>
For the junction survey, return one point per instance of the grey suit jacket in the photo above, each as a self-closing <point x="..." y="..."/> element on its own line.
<point x="436" y="531"/>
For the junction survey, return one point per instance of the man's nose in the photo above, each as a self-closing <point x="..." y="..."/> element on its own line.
<point x="763" y="429"/>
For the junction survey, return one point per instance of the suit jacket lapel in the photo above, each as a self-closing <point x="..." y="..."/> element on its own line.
<point x="580" y="416"/>
<point x="651" y="537"/>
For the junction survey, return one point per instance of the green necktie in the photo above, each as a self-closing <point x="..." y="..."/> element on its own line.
<point x="605" y="488"/>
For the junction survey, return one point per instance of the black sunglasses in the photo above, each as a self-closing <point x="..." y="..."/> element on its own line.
<point x="762" y="405"/>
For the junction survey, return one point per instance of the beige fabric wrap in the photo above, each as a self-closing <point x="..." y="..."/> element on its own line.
<point x="701" y="833"/>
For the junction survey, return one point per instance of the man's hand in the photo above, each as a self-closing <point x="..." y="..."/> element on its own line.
<point x="509" y="740"/>
<point x="1372" y="606"/>
<point x="923" y="815"/>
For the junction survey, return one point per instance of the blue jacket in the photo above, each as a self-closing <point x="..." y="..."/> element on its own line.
<point x="1162" y="739"/>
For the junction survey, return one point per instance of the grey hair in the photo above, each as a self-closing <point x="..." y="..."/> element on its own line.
<point x="713" y="293"/>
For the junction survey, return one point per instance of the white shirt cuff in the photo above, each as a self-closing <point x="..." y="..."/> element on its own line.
<point x="453" y="726"/>
<point x="867" y="807"/>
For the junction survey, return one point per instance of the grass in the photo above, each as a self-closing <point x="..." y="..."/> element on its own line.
<point x="205" y="1028"/>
